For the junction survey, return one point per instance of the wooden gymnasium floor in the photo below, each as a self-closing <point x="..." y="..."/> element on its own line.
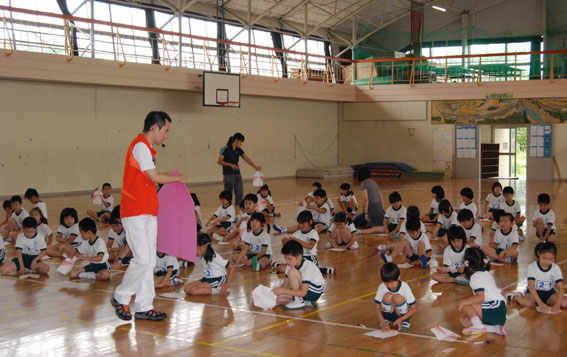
<point x="57" y="316"/>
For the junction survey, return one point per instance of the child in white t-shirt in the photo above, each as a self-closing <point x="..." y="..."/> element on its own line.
<point x="42" y="226"/>
<point x="438" y="194"/>
<point x="166" y="272"/>
<point x="544" y="219"/>
<point x="217" y="272"/>
<point x="303" y="284"/>
<point x="67" y="232"/>
<point x="222" y="220"/>
<point x="106" y="204"/>
<point x="14" y="226"/>
<point x="342" y="233"/>
<point x="266" y="203"/>
<point x="453" y="258"/>
<point x="513" y="207"/>
<point x="30" y="248"/>
<point x="486" y="310"/>
<point x="32" y="195"/>
<point x="92" y="249"/>
<point x="504" y="247"/>
<point x="347" y="200"/>
<point x="447" y="217"/>
<point x="493" y="200"/>
<point x="395" y="302"/>
<point x="415" y="248"/>
<point x="472" y="229"/>
<point x="467" y="195"/>
<point x="256" y="245"/>
<point x="545" y="282"/>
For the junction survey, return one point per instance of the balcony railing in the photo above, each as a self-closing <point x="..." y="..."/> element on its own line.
<point x="53" y="33"/>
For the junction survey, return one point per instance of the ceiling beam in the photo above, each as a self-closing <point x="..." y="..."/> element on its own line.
<point x="355" y="13"/>
<point x="337" y="15"/>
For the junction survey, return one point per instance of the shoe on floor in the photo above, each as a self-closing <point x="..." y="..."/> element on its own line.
<point x="354" y="246"/>
<point x="297" y="303"/>
<point x="310" y="303"/>
<point x="328" y="246"/>
<point x="152" y="315"/>
<point x="469" y="331"/>
<point x="386" y="258"/>
<point x="122" y="311"/>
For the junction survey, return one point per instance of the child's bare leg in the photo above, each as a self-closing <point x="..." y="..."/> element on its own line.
<point x="74" y="274"/>
<point x="53" y="252"/>
<point x="9" y="267"/>
<point x="352" y="206"/>
<point x="198" y="288"/>
<point x="230" y="236"/>
<point x="490" y="252"/>
<point x="540" y="227"/>
<point x="443" y="278"/>
<point x="105" y="216"/>
<point x="264" y="263"/>
<point x="102" y="275"/>
<point x="67" y="249"/>
<point x="332" y="239"/>
<point x="470" y="312"/>
<point x="525" y="300"/>
<point x="520" y="220"/>
<point x="553" y="299"/>
<point x="375" y="229"/>
<point x="40" y="267"/>
<point x="235" y="243"/>
<point x="159" y="281"/>
<point x="400" y="247"/>
<point x="92" y="214"/>
<point x="343" y="236"/>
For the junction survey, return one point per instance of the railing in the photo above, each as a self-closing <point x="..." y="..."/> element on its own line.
<point x="52" y="33"/>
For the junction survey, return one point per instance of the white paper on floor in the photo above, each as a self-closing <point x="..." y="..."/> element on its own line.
<point x="381" y="334"/>
<point x="173" y="295"/>
<point x="25" y="276"/>
<point x="539" y="309"/>
<point x="405" y="265"/>
<point x="337" y="250"/>
<point x="263" y="297"/>
<point x="444" y="334"/>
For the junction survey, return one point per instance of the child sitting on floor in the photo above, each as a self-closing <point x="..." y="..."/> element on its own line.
<point x="447" y="218"/>
<point x="545" y="282"/>
<point x="342" y="233"/>
<point x="256" y="245"/>
<point x="467" y="195"/>
<point x="504" y="247"/>
<point x="415" y="249"/>
<point x="166" y="271"/>
<point x="223" y="217"/>
<point x="347" y="200"/>
<point x="32" y="195"/>
<point x="30" y="248"/>
<point x="438" y="194"/>
<point x="106" y="203"/>
<point x="93" y="250"/>
<point x="395" y="303"/>
<point x="266" y="203"/>
<point x="544" y="219"/>
<point x="453" y="258"/>
<point x="486" y="310"/>
<point x="217" y="271"/>
<point x="472" y="229"/>
<point x="303" y="284"/>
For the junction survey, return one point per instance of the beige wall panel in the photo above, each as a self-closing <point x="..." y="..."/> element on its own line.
<point x="386" y="111"/>
<point x="79" y="134"/>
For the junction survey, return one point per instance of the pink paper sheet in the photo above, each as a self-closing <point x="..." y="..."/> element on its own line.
<point x="177" y="228"/>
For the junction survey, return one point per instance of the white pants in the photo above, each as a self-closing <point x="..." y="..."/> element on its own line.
<point x="141" y="234"/>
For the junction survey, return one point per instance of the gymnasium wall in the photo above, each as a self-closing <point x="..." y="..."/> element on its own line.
<point x="61" y="137"/>
<point x="378" y="132"/>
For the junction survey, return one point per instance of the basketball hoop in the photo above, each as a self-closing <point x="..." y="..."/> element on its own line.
<point x="229" y="104"/>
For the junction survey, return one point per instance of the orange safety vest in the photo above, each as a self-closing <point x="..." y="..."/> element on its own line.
<point x="139" y="195"/>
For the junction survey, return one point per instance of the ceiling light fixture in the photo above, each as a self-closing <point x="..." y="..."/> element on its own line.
<point x="439" y="8"/>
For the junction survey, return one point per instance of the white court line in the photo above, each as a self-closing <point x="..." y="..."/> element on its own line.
<point x="72" y="282"/>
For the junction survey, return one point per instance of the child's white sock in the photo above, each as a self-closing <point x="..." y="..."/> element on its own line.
<point x="87" y="275"/>
<point x="476" y="323"/>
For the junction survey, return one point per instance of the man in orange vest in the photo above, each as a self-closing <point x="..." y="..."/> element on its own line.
<point x="138" y="211"/>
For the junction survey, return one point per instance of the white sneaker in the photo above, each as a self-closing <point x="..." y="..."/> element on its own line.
<point x="328" y="246"/>
<point x="354" y="246"/>
<point x="383" y="247"/>
<point x="218" y="237"/>
<point x="176" y="281"/>
<point x="297" y="303"/>
<point x="386" y="258"/>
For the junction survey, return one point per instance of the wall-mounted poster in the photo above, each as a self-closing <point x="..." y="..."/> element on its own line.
<point x="500" y="111"/>
<point x="540" y="141"/>
<point x="466" y="141"/>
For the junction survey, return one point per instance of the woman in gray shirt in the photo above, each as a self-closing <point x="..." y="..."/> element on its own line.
<point x="373" y="211"/>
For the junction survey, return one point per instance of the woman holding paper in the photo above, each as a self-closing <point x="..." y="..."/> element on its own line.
<point x="138" y="212"/>
<point x="228" y="159"/>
